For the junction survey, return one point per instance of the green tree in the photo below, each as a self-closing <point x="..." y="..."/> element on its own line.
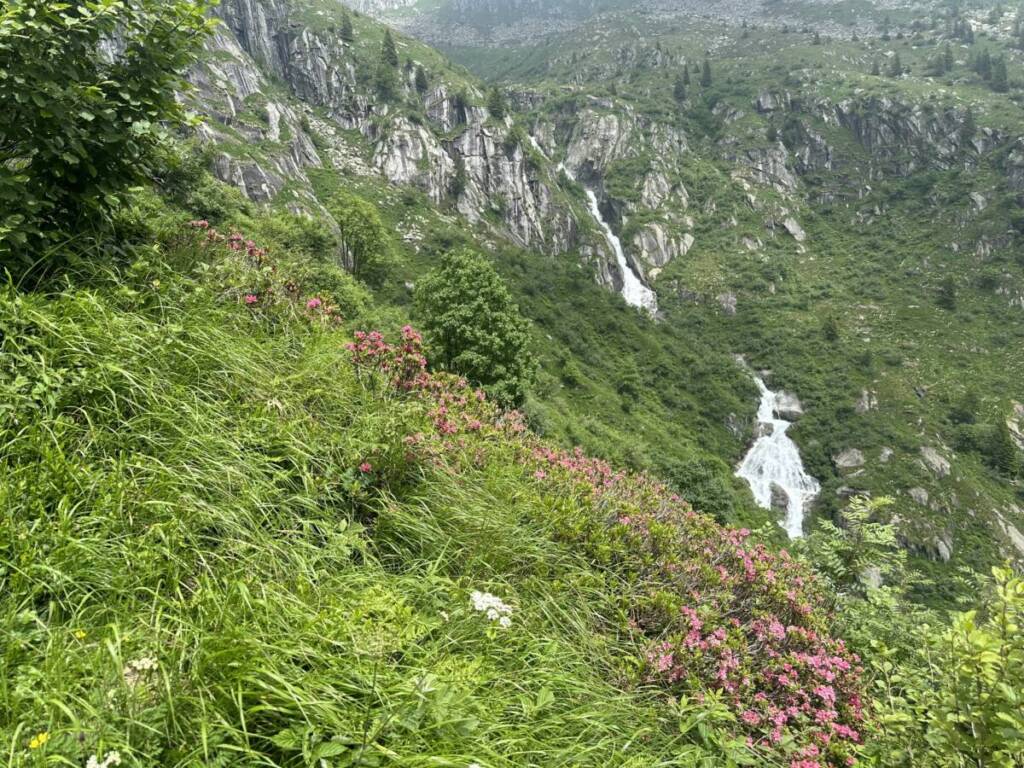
<point x="366" y="247"/>
<point x="385" y="81"/>
<point x="946" y="297"/>
<point x="496" y="103"/>
<point x="874" y="68"/>
<point x="388" y="51"/>
<point x="422" y="84"/>
<point x="1002" y="452"/>
<point x="983" y="65"/>
<point x="679" y="90"/>
<point x="830" y="329"/>
<point x="79" y="126"/>
<point x="459" y="178"/>
<point x="947" y="58"/>
<point x="705" y="74"/>
<point x="999" y="83"/>
<point x="969" y="127"/>
<point x="629" y="384"/>
<point x="895" y="66"/>
<point x="347" y="33"/>
<point x="686" y="74"/>
<point x="472" y="326"/>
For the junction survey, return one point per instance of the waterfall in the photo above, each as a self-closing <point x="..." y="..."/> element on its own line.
<point x="633" y="289"/>
<point x="773" y="466"/>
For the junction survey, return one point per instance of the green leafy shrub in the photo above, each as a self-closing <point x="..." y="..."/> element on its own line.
<point x="473" y="327"/>
<point x="88" y="91"/>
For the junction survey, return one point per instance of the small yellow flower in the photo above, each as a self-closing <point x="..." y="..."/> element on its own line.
<point x="80" y="634"/>
<point x="39" y="739"/>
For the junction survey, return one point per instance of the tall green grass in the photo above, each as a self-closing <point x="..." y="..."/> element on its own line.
<point x="179" y="483"/>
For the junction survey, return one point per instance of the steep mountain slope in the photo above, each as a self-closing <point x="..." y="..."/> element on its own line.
<point x="297" y="113"/>
<point x="854" y="232"/>
<point x="776" y="215"/>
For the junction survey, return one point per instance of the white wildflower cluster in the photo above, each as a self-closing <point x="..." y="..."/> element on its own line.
<point x="494" y="608"/>
<point x="112" y="758"/>
<point x="135" y="670"/>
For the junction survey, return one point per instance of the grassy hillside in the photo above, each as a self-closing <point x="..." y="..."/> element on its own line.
<point x="233" y="537"/>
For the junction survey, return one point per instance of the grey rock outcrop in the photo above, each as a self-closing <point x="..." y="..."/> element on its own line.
<point x="850" y="458"/>
<point x="788" y="406"/>
<point x="935" y="461"/>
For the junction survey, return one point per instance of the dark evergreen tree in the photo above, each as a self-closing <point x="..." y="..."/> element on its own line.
<point x="1002" y="452"/>
<point x="705" y="74"/>
<point x="969" y="127"/>
<point x="965" y="411"/>
<point x="347" y="33"/>
<point x="496" y="104"/>
<point x="983" y="65"/>
<point x="421" y="80"/>
<point x="947" y="58"/>
<point x="946" y="297"/>
<point x="999" y="82"/>
<point x="830" y="329"/>
<point x="686" y="74"/>
<point x="679" y="90"/>
<point x="875" y="70"/>
<point x="388" y="51"/>
<point x="895" y="66"/>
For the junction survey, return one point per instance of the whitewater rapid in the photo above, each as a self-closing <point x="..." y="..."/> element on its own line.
<point x="774" y="460"/>
<point x="633" y="289"/>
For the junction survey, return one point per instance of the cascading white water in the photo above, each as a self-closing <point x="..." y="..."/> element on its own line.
<point x="633" y="289"/>
<point x="774" y="460"/>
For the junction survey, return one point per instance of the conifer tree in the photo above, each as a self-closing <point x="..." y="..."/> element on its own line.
<point x="421" y="79"/>
<point x="946" y="297"/>
<point x="705" y="74"/>
<point x="388" y="51"/>
<point x="496" y="104"/>
<point x="679" y="90"/>
<point x="895" y="66"/>
<point x="347" y="33"/>
<point x="983" y="65"/>
<point x="1002" y="451"/>
<point x="999" y="78"/>
<point x="947" y="58"/>
<point x="969" y="127"/>
<point x="686" y="74"/>
<point x="874" y="68"/>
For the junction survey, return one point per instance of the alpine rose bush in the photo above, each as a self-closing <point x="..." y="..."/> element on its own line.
<point x="716" y="612"/>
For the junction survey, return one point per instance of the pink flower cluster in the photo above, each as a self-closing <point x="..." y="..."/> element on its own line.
<point x="264" y="288"/>
<point x="403" y="365"/>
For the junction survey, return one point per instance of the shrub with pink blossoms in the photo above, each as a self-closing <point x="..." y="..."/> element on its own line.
<point x="709" y="610"/>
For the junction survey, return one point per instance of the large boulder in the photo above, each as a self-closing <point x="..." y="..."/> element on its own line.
<point x="935" y="461"/>
<point x="851" y="458"/>
<point x="780" y="499"/>
<point x="788" y="406"/>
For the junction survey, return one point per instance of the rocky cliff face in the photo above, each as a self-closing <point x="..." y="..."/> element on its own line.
<point x="458" y="154"/>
